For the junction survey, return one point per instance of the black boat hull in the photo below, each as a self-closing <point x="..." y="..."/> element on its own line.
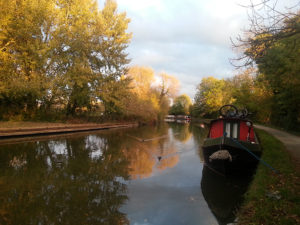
<point x="235" y="156"/>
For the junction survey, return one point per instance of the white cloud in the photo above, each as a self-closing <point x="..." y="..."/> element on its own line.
<point x="189" y="39"/>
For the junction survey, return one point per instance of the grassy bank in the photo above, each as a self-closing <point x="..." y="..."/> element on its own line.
<point x="273" y="198"/>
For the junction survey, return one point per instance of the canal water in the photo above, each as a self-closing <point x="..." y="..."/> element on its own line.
<point x="138" y="176"/>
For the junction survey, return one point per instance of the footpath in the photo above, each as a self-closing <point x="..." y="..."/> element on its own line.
<point x="291" y="142"/>
<point x="20" y="132"/>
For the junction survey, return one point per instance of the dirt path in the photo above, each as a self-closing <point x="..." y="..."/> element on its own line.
<point x="50" y="129"/>
<point x="291" y="142"/>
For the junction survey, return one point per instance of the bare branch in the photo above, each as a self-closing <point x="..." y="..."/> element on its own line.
<point x="267" y="25"/>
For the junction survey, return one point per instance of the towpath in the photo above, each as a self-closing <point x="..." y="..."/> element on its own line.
<point x="291" y="142"/>
<point x="50" y="129"/>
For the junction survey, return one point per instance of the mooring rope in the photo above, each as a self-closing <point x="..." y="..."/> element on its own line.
<point x="213" y="170"/>
<point x="251" y="153"/>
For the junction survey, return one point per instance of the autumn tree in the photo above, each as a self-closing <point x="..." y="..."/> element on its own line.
<point x="62" y="52"/>
<point x="243" y="90"/>
<point x="267" y="25"/>
<point x="91" y="53"/>
<point x="250" y="91"/>
<point x="142" y="79"/>
<point x="143" y="101"/>
<point x="150" y="93"/>
<point x="167" y="88"/>
<point x="25" y="48"/>
<point x="112" y="57"/>
<point x="72" y="50"/>
<point x="281" y="70"/>
<point x="181" y="105"/>
<point x="272" y="45"/>
<point x="211" y="94"/>
<point x="69" y="54"/>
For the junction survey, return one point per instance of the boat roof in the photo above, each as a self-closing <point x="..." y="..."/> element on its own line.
<point x="231" y="118"/>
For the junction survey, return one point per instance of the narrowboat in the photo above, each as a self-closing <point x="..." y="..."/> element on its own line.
<point x="170" y="118"/>
<point x="178" y="118"/>
<point x="231" y="143"/>
<point x="183" y="117"/>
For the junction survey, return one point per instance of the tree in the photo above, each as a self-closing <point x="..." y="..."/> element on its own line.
<point x="24" y="52"/>
<point x="143" y="101"/>
<point x="181" y="105"/>
<point x="245" y="90"/>
<point x="167" y="89"/>
<point x="211" y="94"/>
<point x="251" y="92"/>
<point x="62" y="52"/>
<point x="168" y="86"/>
<point x="72" y="51"/>
<point x="281" y="69"/>
<point x="110" y="57"/>
<point x="272" y="44"/>
<point x="142" y="79"/>
<point x="267" y="26"/>
<point x="91" y="57"/>
<point x="150" y="93"/>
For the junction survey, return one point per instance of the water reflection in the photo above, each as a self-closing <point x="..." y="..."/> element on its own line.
<point x="224" y="194"/>
<point x="181" y="131"/>
<point x="147" y="156"/>
<point x="63" y="182"/>
<point x="199" y="134"/>
<point x="147" y="175"/>
<point x="173" y="195"/>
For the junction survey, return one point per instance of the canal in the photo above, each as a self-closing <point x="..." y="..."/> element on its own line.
<point x="138" y="176"/>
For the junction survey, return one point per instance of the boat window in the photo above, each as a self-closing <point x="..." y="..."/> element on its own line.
<point x="235" y="130"/>
<point x="227" y="129"/>
<point x="231" y="129"/>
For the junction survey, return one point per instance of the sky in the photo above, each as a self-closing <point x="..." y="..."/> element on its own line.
<point x="188" y="39"/>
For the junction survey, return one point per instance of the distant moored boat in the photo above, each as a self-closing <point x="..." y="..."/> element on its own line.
<point x="178" y="118"/>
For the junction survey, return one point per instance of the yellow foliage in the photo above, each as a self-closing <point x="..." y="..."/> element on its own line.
<point x="168" y="85"/>
<point x="142" y="79"/>
<point x="212" y="94"/>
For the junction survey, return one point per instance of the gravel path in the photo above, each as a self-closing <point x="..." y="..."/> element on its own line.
<point x="291" y="142"/>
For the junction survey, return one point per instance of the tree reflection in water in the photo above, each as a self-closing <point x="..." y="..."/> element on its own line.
<point x="63" y="182"/>
<point x="199" y="135"/>
<point x="81" y="179"/>
<point x="181" y="132"/>
<point x="145" y="157"/>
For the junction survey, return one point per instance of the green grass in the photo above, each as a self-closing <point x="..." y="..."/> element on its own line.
<point x="258" y="208"/>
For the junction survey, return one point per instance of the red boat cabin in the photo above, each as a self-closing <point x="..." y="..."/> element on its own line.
<point x="238" y="129"/>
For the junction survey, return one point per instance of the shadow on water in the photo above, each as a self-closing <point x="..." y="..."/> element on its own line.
<point x="224" y="194"/>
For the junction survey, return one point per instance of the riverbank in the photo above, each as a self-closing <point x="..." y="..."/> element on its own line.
<point x="25" y="129"/>
<point x="273" y="198"/>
